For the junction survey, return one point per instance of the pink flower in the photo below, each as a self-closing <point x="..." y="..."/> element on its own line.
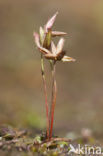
<point x="46" y="46"/>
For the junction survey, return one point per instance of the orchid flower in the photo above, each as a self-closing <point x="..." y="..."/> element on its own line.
<point x="55" y="53"/>
<point x="47" y="48"/>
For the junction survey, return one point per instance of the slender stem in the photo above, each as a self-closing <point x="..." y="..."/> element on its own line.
<point x="54" y="92"/>
<point x="45" y="92"/>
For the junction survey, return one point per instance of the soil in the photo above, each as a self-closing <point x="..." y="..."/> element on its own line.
<point x="14" y="142"/>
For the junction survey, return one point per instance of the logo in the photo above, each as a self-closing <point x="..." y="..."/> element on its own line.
<point x="86" y="149"/>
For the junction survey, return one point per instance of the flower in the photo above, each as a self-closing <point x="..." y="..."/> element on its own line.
<point x="47" y="47"/>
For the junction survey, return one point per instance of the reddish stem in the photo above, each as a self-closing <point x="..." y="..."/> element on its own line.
<point x="54" y="92"/>
<point x="45" y="92"/>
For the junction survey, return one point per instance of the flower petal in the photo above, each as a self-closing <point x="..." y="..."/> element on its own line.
<point x="50" y="56"/>
<point x="36" y="37"/>
<point x="50" y="22"/>
<point x="41" y="31"/>
<point x="68" y="59"/>
<point x="60" y="45"/>
<point x="43" y="50"/>
<point x="53" y="48"/>
<point x="58" y="33"/>
<point x="47" y="40"/>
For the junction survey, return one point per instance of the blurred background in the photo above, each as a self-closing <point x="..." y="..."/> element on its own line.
<point x="80" y="84"/>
